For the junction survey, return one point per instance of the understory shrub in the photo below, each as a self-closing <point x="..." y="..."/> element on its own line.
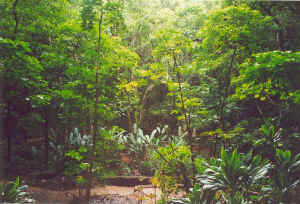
<point x="285" y="176"/>
<point x="140" y="147"/>
<point x="174" y="168"/>
<point x="233" y="176"/>
<point x="14" y="192"/>
<point x="106" y="156"/>
<point x="238" y="178"/>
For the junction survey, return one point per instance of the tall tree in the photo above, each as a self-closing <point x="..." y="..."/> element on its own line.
<point x="230" y="36"/>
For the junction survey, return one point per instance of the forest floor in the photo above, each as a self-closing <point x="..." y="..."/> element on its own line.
<point x="59" y="191"/>
<point x="45" y="195"/>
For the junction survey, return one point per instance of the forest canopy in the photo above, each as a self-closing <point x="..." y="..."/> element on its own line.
<point x="199" y="89"/>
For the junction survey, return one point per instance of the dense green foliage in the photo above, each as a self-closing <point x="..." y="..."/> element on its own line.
<point x="86" y="84"/>
<point x="14" y="192"/>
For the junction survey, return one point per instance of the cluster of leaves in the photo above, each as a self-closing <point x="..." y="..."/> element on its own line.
<point x="78" y="156"/>
<point x="246" y="178"/>
<point x="14" y="192"/>
<point x="174" y="168"/>
<point x="270" y="75"/>
<point x="140" y="147"/>
<point x="235" y="176"/>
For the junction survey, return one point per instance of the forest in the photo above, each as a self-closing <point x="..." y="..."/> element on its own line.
<point x="174" y="101"/>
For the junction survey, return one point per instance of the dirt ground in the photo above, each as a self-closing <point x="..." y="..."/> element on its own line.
<point x="44" y="195"/>
<point x="61" y="191"/>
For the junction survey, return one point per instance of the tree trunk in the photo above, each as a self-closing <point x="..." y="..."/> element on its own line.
<point x="144" y="103"/>
<point x="187" y="121"/>
<point x="95" y="119"/>
<point x="8" y="128"/>
<point x="226" y="87"/>
<point x="130" y="122"/>
<point x="88" y="118"/>
<point x="46" y="138"/>
<point x="2" y="144"/>
<point x="16" y="18"/>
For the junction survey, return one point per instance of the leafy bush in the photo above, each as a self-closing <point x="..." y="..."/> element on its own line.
<point x="171" y="157"/>
<point x="234" y="176"/>
<point x="137" y="142"/>
<point x="147" y="167"/>
<point x="14" y="192"/>
<point x="199" y="165"/>
<point x="284" y="176"/>
<point x="107" y="155"/>
<point x="173" y="165"/>
<point x="140" y="146"/>
<point x="78" y="145"/>
<point x="57" y="153"/>
<point x="244" y="178"/>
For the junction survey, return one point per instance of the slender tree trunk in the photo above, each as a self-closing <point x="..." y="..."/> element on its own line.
<point x="46" y="138"/>
<point x="2" y="144"/>
<point x="216" y="145"/>
<point x="95" y="119"/>
<point x="225" y="95"/>
<point x="187" y="122"/>
<point x="88" y="115"/>
<point x="16" y="18"/>
<point x="130" y="122"/>
<point x="8" y="130"/>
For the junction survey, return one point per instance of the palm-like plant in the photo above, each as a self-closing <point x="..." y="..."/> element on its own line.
<point x="238" y="179"/>
<point x="234" y="176"/>
<point x="14" y="192"/>
<point x="284" y="175"/>
<point x="137" y="142"/>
